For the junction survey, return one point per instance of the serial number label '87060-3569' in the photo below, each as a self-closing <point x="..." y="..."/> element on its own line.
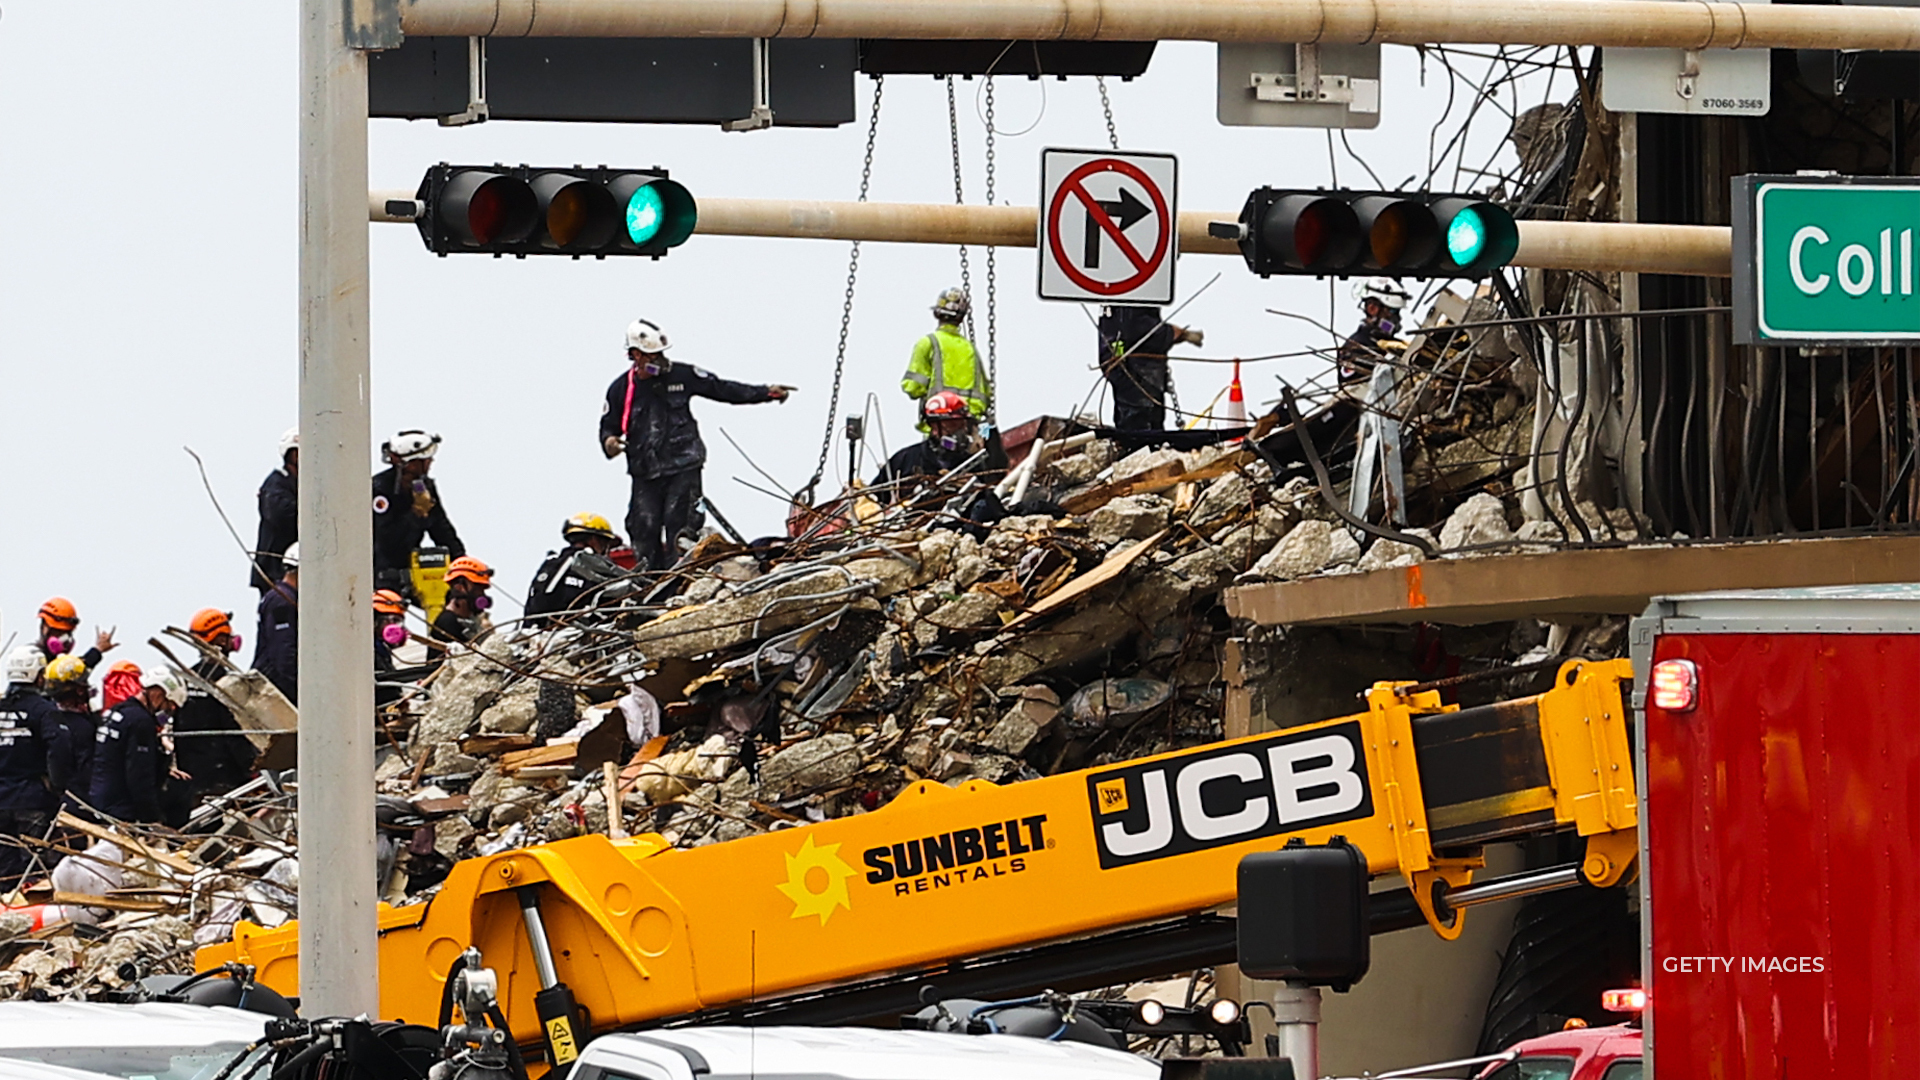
<point x="1229" y="795"/>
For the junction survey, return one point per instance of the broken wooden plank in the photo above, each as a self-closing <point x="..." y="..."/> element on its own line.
<point x="489" y="745"/>
<point x="1115" y="565"/>
<point x="555" y="754"/>
<point x="126" y="843"/>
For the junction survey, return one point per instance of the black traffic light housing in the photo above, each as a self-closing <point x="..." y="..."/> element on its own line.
<point x="531" y="210"/>
<point x="1303" y="914"/>
<point x="1354" y="233"/>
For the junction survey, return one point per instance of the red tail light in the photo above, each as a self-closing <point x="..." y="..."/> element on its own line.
<point x="1631" y="1000"/>
<point x="1675" y="686"/>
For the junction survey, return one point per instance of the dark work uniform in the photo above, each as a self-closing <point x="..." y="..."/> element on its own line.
<point x="217" y="763"/>
<point x="279" y="526"/>
<point x="925" y="459"/>
<point x="29" y="731"/>
<point x="664" y="449"/>
<point x="73" y="747"/>
<point x="1361" y="350"/>
<point x="566" y="576"/>
<point x="398" y="530"/>
<point x="128" y="764"/>
<point x="1140" y="380"/>
<point x="276" y="653"/>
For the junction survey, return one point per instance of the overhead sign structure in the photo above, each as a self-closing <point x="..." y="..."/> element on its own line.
<point x="1690" y="82"/>
<point x="1825" y="260"/>
<point x="1108" y="226"/>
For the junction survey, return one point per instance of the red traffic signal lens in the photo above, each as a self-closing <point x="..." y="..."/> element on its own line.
<point x="488" y="208"/>
<point x="1312" y="233"/>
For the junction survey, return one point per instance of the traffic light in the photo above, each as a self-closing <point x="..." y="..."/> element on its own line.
<point x="1390" y="233"/>
<point x="526" y="210"/>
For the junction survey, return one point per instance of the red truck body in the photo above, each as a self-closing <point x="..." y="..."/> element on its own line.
<point x="1780" y="833"/>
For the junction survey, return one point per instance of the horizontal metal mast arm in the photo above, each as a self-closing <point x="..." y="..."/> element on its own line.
<point x="1610" y="23"/>
<point x="1698" y="250"/>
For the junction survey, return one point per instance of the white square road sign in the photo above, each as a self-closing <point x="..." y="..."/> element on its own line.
<point x="1109" y="226"/>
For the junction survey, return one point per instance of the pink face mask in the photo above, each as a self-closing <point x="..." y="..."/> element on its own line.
<point x="233" y="646"/>
<point x="394" y="634"/>
<point x="58" y="645"/>
<point x="482" y="602"/>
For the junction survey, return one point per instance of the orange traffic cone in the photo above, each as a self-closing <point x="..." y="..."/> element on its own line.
<point x="1235" y="414"/>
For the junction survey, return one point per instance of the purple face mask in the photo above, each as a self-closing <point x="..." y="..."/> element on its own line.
<point x="482" y="602"/>
<point x="1387" y="326"/>
<point x="58" y="645"/>
<point x="394" y="634"/>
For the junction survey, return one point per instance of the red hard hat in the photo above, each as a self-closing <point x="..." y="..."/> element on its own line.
<point x="945" y="405"/>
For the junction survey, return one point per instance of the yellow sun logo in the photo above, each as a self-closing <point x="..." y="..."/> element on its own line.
<point x="832" y="879"/>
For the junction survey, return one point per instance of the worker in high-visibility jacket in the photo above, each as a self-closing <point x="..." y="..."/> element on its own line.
<point x="945" y="360"/>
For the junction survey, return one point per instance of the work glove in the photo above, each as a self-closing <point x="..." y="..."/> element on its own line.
<point x="1193" y="337"/>
<point x="612" y="445"/>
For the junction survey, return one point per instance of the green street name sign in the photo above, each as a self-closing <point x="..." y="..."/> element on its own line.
<point x="1825" y="260"/>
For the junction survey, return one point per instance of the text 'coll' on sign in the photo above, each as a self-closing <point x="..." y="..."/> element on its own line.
<point x="1109" y="226"/>
<point x="1825" y="260"/>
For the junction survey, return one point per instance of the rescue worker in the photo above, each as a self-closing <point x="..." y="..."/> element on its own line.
<point x="945" y="360"/>
<point x="464" y="617"/>
<point x="29" y="734"/>
<point x="648" y="413"/>
<point x="279" y="500"/>
<point x="952" y="438"/>
<point x="130" y="764"/>
<point x="276" y="651"/>
<point x="1381" y="300"/>
<point x="1134" y="341"/>
<point x="389" y="633"/>
<point x="575" y="570"/>
<point x="58" y="621"/>
<point x="65" y="682"/>
<point x="407" y="509"/>
<point x="214" y="764"/>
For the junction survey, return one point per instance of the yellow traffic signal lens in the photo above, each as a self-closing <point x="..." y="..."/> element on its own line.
<point x="567" y="215"/>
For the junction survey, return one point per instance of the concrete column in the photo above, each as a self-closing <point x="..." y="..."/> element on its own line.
<point x="339" y="973"/>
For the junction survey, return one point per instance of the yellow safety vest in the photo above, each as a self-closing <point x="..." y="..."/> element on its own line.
<point x="943" y="360"/>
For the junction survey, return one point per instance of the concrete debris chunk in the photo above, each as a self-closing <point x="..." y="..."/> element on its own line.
<point x="1482" y="519"/>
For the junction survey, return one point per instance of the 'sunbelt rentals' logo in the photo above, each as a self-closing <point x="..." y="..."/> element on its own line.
<point x="955" y="858"/>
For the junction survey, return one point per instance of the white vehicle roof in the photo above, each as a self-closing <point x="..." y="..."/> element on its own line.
<point x="166" y="1041"/>
<point x="21" y="1069"/>
<point x="770" y="1053"/>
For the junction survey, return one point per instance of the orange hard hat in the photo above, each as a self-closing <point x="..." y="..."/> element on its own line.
<point x="210" y="623"/>
<point x="59" y="614"/>
<point x="388" y="602"/>
<point x="946" y="405"/>
<point x="468" y="568"/>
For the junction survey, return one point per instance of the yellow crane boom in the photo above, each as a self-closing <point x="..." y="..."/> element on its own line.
<point x="641" y="931"/>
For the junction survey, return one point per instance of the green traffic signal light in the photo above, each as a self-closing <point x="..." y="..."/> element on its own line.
<point x="1481" y="235"/>
<point x="656" y="212"/>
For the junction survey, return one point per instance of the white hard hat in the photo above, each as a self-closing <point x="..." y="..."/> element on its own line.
<point x="24" y="664"/>
<point x="168" y="681"/>
<point x="646" y="336"/>
<point x="289" y="440"/>
<point x="411" y="445"/>
<point x="290" y="558"/>
<point x="1388" y="291"/>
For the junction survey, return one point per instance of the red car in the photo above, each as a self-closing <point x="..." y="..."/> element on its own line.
<point x="1595" y="1053"/>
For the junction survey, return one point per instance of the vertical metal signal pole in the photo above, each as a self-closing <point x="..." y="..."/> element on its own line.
<point x="339" y="973"/>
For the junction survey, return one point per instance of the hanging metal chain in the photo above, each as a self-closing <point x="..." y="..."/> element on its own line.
<point x="805" y="494"/>
<point x="1106" y="106"/>
<point x="993" y="325"/>
<point x="959" y="198"/>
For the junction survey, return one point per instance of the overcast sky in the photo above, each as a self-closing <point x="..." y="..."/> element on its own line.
<point x="147" y="291"/>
